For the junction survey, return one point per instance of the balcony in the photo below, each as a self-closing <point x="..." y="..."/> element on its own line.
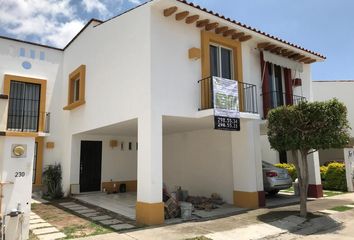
<point x="28" y="121"/>
<point x="276" y="99"/>
<point x="247" y="96"/>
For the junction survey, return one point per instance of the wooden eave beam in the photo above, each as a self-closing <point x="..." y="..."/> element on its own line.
<point x="221" y="29"/>
<point x="169" y="11"/>
<point x="304" y="59"/>
<point x="182" y="15"/>
<point x="192" y="19"/>
<point x="287" y="53"/>
<point x="237" y="35"/>
<point x="276" y="50"/>
<point x="202" y="23"/>
<point x="245" y="38"/>
<point x="294" y="55"/>
<point x="310" y="61"/>
<point x="298" y="57"/>
<point x="229" y="32"/>
<point x="270" y="47"/>
<point x="211" y="26"/>
<point x="263" y="45"/>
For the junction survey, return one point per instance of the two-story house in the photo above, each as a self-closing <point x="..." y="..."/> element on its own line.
<point x="130" y="100"/>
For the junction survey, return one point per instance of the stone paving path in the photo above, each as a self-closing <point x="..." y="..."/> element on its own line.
<point x="96" y="216"/>
<point x="44" y="230"/>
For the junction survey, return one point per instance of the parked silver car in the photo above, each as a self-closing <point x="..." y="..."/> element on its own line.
<point x="275" y="179"/>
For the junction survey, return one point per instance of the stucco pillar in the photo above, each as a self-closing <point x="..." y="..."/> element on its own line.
<point x="349" y="167"/>
<point x="247" y="166"/>
<point x="149" y="206"/>
<point x="315" y="185"/>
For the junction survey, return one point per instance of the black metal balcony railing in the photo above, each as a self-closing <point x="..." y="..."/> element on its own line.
<point x="275" y="99"/>
<point x="28" y="121"/>
<point x="247" y="95"/>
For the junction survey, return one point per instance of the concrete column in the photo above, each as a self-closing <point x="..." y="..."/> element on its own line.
<point x="247" y="165"/>
<point x="349" y="167"/>
<point x="315" y="185"/>
<point x="149" y="207"/>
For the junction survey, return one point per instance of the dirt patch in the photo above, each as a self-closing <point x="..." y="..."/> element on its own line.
<point x="72" y="225"/>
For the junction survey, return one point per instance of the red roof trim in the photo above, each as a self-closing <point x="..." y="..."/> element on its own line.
<point x="251" y="28"/>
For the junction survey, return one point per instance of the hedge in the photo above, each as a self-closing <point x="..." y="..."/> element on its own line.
<point x="290" y="167"/>
<point x="334" y="177"/>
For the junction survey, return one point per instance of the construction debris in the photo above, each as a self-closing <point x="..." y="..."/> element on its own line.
<point x="204" y="203"/>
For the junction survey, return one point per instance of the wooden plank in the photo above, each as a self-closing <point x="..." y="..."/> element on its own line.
<point x="211" y="26"/>
<point x="238" y="35"/>
<point x="263" y="45"/>
<point x="192" y="19"/>
<point x="202" y="23"/>
<point x="287" y="53"/>
<point x="245" y="38"/>
<point x="310" y="61"/>
<point x="270" y="47"/>
<point x="169" y="11"/>
<point x="295" y="55"/>
<point x="229" y="32"/>
<point x="182" y="15"/>
<point x="276" y="50"/>
<point x="298" y="57"/>
<point x="305" y="59"/>
<point x="221" y="29"/>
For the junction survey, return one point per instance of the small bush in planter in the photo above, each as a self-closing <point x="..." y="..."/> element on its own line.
<point x="290" y="167"/>
<point x="52" y="179"/>
<point x="335" y="178"/>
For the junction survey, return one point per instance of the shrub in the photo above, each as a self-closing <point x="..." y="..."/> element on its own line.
<point x="52" y="179"/>
<point x="335" y="178"/>
<point x="290" y="167"/>
<point x="323" y="170"/>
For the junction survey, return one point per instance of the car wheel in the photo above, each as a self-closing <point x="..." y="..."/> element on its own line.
<point x="273" y="192"/>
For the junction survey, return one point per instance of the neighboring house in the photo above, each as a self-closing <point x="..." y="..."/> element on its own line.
<point x="342" y="90"/>
<point x="122" y="103"/>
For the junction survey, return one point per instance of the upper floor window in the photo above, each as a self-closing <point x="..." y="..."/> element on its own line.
<point x="26" y="109"/>
<point x="76" y="92"/>
<point x="221" y="61"/>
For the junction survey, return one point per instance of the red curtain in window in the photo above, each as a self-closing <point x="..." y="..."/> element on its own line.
<point x="265" y="86"/>
<point x="288" y="86"/>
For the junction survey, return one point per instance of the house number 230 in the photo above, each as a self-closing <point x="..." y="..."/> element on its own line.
<point x="20" y="174"/>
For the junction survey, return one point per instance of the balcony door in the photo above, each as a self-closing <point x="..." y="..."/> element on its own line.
<point x="24" y="103"/>
<point x="276" y="83"/>
<point x="221" y="61"/>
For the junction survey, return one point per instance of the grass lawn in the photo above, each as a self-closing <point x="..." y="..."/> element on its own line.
<point x="341" y="208"/>
<point x="68" y="223"/>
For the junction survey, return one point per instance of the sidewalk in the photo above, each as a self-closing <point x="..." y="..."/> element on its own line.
<point x="255" y="224"/>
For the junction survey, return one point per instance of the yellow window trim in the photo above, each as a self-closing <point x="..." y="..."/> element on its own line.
<point x="7" y="80"/>
<point x="78" y="73"/>
<point x="208" y="38"/>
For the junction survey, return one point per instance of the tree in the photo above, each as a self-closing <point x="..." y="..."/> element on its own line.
<point x="306" y="128"/>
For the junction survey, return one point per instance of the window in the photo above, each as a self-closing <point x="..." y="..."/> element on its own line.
<point x="76" y="93"/>
<point x="32" y="54"/>
<point x="276" y="83"/>
<point x="26" y="109"/>
<point x="221" y="61"/>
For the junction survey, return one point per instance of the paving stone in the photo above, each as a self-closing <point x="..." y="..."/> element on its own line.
<point x="350" y="206"/>
<point x="85" y="211"/>
<point x="93" y="214"/>
<point x="122" y="226"/>
<point x="66" y="203"/>
<point x="39" y="225"/>
<point x="327" y="211"/>
<point x="35" y="217"/>
<point x="45" y="230"/>
<point x="38" y="220"/>
<point x="77" y="208"/>
<point x="110" y="221"/>
<point x="99" y="218"/>
<point x="52" y="236"/>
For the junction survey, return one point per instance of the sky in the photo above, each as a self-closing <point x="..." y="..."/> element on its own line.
<point x="324" y="26"/>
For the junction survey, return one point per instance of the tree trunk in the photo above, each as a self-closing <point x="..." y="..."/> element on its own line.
<point x="301" y="166"/>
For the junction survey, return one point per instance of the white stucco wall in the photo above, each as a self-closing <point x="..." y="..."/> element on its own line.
<point x="200" y="162"/>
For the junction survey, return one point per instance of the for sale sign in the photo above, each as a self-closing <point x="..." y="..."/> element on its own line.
<point x="226" y="104"/>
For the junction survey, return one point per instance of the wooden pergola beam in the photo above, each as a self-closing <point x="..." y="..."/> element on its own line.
<point x="192" y="19"/>
<point x="245" y="38"/>
<point x="237" y="35"/>
<point x="229" y="32"/>
<point x="211" y="26"/>
<point x="263" y="45"/>
<point x="221" y="29"/>
<point x="182" y="15"/>
<point x="202" y="23"/>
<point x="169" y="11"/>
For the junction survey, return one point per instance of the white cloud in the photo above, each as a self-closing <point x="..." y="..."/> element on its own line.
<point x="53" y="22"/>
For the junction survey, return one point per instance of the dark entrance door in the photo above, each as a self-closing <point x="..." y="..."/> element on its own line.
<point x="90" y="166"/>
